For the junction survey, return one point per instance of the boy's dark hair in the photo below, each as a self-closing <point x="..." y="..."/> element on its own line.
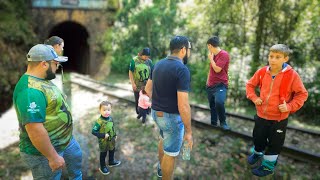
<point x="53" y="40"/>
<point x="143" y="89"/>
<point x="105" y="103"/>
<point x="178" y="42"/>
<point x="214" y="41"/>
<point x="281" y="48"/>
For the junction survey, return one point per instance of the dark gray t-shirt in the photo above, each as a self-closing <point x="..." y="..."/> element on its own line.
<point x="169" y="76"/>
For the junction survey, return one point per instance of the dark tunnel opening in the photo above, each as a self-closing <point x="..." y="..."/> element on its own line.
<point x="76" y="46"/>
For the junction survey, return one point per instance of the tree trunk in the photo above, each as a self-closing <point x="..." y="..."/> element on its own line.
<point x="262" y="16"/>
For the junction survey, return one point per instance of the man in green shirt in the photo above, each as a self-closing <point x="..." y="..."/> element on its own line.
<point x="45" y="122"/>
<point x="139" y="72"/>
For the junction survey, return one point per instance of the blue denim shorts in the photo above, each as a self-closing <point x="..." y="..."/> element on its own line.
<point x="40" y="168"/>
<point x="171" y="131"/>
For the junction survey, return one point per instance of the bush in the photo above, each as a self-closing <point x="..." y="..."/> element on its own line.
<point x="15" y="36"/>
<point x="199" y="74"/>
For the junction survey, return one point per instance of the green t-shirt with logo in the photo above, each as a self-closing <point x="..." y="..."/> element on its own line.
<point x="141" y="71"/>
<point x="40" y="101"/>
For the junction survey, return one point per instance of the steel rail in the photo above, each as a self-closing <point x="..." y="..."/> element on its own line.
<point x="206" y="108"/>
<point x="289" y="151"/>
<point x="242" y="117"/>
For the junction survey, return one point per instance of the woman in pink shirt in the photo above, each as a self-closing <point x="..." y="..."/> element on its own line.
<point x="144" y="104"/>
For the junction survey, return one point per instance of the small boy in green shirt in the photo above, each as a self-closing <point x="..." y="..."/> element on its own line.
<point x="103" y="129"/>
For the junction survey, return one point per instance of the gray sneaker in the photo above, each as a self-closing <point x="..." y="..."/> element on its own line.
<point x="159" y="172"/>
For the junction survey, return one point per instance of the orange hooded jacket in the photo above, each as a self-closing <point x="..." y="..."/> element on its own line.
<point x="270" y="94"/>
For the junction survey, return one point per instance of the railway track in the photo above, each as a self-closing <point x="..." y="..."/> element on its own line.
<point x="247" y="118"/>
<point x="238" y="129"/>
<point x="205" y="108"/>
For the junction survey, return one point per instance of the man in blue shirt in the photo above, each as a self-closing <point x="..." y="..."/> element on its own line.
<point x="169" y="85"/>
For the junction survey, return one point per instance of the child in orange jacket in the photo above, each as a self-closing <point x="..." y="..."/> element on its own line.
<point x="281" y="92"/>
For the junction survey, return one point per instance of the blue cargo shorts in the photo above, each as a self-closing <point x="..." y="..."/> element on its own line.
<point x="171" y="131"/>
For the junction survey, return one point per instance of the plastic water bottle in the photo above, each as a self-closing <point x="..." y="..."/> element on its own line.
<point x="186" y="151"/>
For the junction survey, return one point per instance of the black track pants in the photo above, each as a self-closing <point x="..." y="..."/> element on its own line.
<point x="269" y="135"/>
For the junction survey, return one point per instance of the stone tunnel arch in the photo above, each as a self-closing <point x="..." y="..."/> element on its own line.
<point x="76" y="46"/>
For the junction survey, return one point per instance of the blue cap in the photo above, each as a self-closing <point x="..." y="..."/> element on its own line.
<point x="42" y="52"/>
<point x="145" y="52"/>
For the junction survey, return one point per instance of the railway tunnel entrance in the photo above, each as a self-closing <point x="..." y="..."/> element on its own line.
<point x="76" y="46"/>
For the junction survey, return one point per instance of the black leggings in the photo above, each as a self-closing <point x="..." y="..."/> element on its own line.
<point x="143" y="113"/>
<point x="269" y="135"/>
<point x="103" y="156"/>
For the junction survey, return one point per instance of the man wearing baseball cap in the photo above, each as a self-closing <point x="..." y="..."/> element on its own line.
<point x="45" y="122"/>
<point x="140" y="69"/>
<point x="57" y="43"/>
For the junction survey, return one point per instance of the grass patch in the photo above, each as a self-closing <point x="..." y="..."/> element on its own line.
<point x="11" y="166"/>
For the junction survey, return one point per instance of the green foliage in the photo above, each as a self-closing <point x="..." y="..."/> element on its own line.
<point x="15" y="27"/>
<point x="15" y="35"/>
<point x="236" y="90"/>
<point x="141" y="26"/>
<point x="199" y="74"/>
<point x="113" y="4"/>
<point x="312" y="105"/>
<point x="280" y="23"/>
<point x="246" y="29"/>
<point x="228" y="20"/>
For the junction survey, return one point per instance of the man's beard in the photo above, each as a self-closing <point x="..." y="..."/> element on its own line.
<point x="50" y="74"/>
